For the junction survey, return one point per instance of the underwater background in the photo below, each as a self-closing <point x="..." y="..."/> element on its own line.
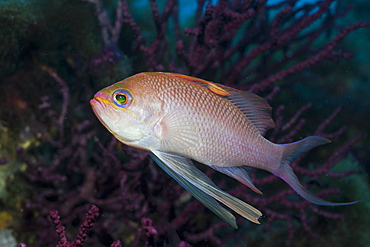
<point x="65" y="181"/>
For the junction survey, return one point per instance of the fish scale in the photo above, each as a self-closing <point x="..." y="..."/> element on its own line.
<point x="225" y="136"/>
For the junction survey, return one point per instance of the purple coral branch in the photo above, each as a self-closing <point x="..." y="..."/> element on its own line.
<point x="110" y="32"/>
<point x="88" y="223"/>
<point x="320" y="56"/>
<point x="65" y="93"/>
<point x="59" y="228"/>
<point x="150" y="232"/>
<point x="85" y="227"/>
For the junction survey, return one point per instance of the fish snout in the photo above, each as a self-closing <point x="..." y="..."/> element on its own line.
<point x="98" y="97"/>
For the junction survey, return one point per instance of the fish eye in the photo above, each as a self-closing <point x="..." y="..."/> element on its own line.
<point x="122" y="98"/>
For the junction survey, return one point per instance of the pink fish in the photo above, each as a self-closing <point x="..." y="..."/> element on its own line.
<point x="178" y="118"/>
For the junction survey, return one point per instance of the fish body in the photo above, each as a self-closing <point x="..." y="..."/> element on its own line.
<point x="184" y="118"/>
<point x="178" y="118"/>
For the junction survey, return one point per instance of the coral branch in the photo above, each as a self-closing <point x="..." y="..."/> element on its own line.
<point x="85" y="227"/>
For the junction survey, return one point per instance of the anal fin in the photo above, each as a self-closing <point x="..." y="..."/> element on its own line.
<point x="239" y="173"/>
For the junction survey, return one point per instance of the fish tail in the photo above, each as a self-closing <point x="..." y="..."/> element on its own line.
<point x="290" y="153"/>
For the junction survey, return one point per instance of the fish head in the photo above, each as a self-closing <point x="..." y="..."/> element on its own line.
<point x="129" y="109"/>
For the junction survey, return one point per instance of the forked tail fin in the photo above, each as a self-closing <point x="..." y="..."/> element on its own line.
<point x="285" y="172"/>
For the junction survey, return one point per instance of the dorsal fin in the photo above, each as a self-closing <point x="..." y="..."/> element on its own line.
<point x="253" y="106"/>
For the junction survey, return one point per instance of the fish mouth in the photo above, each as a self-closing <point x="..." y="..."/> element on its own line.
<point x="94" y="101"/>
<point x="97" y="107"/>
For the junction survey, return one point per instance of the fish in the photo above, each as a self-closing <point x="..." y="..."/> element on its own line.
<point x="179" y="119"/>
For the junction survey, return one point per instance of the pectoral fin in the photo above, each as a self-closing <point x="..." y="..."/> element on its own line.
<point x="204" y="198"/>
<point x="197" y="183"/>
